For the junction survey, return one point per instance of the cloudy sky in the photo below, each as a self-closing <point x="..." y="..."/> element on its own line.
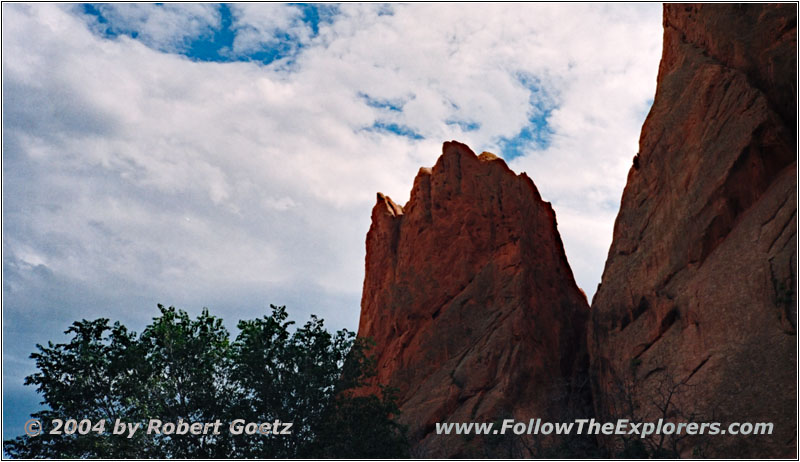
<point x="228" y="155"/>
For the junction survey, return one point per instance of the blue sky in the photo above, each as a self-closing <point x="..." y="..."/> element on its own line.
<point x="228" y="155"/>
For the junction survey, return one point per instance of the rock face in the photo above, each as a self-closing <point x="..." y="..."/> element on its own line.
<point x="698" y="293"/>
<point x="472" y="305"/>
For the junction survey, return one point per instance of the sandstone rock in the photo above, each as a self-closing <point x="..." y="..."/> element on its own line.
<point x="698" y="292"/>
<point x="472" y="305"/>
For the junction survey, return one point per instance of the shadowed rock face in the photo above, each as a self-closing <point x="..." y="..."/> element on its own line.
<point x="470" y="300"/>
<point x="698" y="293"/>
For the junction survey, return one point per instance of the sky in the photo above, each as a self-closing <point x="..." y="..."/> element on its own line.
<point x="228" y="156"/>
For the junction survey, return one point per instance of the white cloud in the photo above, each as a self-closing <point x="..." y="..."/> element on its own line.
<point x="134" y="174"/>
<point x="168" y="26"/>
<point x="260" y="25"/>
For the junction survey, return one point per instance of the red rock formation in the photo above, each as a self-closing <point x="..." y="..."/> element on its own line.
<point x="698" y="293"/>
<point x="471" y="302"/>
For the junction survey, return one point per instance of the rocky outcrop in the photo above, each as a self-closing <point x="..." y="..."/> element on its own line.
<point x="472" y="305"/>
<point x="696" y="316"/>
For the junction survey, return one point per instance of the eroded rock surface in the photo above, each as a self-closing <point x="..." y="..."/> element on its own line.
<point x="698" y="293"/>
<point x="472" y="305"/>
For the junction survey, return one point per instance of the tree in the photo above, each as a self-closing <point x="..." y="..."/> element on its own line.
<point x="647" y="397"/>
<point x="180" y="369"/>
<point x="87" y="378"/>
<point x="307" y="377"/>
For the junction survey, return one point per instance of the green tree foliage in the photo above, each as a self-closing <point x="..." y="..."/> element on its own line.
<point x="189" y="369"/>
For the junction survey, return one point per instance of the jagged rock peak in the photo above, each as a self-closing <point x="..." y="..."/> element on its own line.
<point x="471" y="302"/>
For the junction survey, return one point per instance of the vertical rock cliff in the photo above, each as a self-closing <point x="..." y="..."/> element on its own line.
<point x="695" y="318"/>
<point x="472" y="305"/>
